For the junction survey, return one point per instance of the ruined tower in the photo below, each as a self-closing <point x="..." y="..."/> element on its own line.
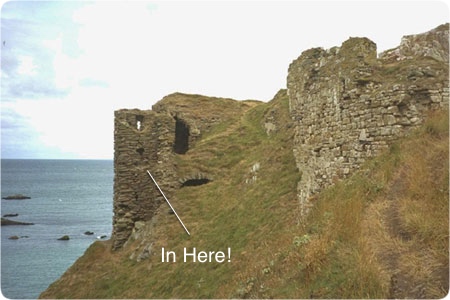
<point x="143" y="140"/>
<point x="150" y="140"/>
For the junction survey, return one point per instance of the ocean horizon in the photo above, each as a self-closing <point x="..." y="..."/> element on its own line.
<point x="68" y="197"/>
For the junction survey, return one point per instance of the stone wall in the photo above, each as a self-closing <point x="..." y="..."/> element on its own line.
<point x="348" y="105"/>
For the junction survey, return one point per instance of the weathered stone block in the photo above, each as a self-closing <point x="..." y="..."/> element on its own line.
<point x="389" y="119"/>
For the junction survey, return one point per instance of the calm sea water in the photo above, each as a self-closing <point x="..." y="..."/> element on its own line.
<point x="68" y="197"/>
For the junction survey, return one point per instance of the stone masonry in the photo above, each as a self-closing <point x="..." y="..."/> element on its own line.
<point x="348" y="105"/>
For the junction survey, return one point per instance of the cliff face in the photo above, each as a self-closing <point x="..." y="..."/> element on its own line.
<point x="348" y="106"/>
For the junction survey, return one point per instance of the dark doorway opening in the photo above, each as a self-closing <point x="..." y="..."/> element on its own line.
<point x="195" y="182"/>
<point x="181" y="144"/>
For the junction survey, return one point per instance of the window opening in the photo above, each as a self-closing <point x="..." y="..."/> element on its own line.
<point x="139" y="120"/>
<point x="140" y="150"/>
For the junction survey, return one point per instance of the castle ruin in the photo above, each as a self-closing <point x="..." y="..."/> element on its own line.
<point x="346" y="104"/>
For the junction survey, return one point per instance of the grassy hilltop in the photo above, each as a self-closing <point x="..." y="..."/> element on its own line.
<point x="382" y="233"/>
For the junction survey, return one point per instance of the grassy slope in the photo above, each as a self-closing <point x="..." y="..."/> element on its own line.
<point x="384" y="232"/>
<point x="364" y="238"/>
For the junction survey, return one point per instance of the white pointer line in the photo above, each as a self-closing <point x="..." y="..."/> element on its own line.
<point x="168" y="202"/>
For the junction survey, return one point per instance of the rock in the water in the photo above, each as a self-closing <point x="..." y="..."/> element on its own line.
<point x="10" y="222"/>
<point x="16" y="197"/>
<point x="10" y="215"/>
<point x="64" y="238"/>
<point x="88" y="233"/>
<point x="13" y="237"/>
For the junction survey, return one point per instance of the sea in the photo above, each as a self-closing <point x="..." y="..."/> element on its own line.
<point x="68" y="197"/>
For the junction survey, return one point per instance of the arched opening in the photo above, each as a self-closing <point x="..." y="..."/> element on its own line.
<point x="195" y="182"/>
<point x="181" y="144"/>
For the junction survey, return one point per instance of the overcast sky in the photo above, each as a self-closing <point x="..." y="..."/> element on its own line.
<point x="66" y="66"/>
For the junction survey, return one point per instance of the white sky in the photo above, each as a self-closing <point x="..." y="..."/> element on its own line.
<point x="66" y="66"/>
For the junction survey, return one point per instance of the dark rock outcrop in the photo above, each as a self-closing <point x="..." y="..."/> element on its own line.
<point x="16" y="197"/>
<point x="10" y="215"/>
<point x="10" y="222"/>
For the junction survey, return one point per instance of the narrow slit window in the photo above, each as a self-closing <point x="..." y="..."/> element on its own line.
<point x="139" y="120"/>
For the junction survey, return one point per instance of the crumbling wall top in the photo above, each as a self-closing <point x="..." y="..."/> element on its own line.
<point x="347" y="105"/>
